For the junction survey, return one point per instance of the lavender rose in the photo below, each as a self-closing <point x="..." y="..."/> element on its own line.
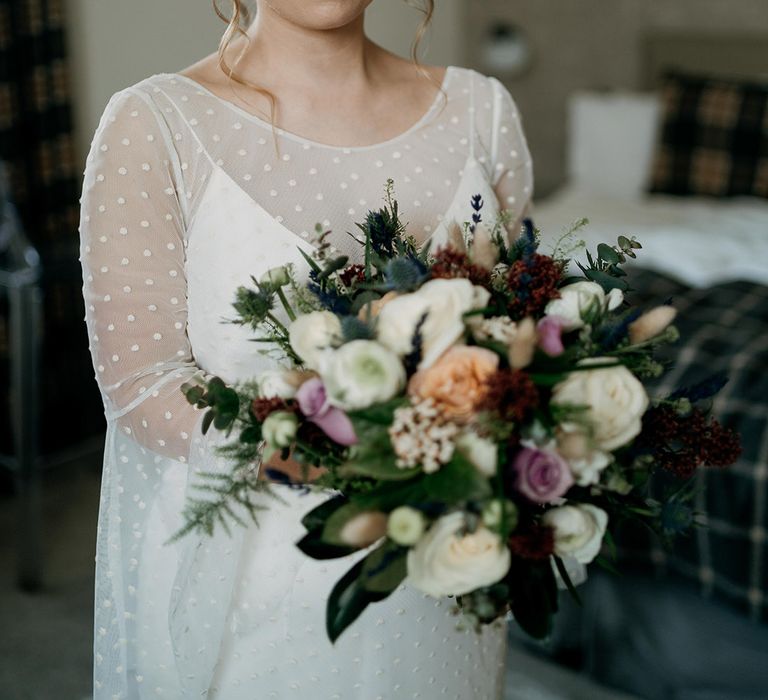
<point x="542" y="476"/>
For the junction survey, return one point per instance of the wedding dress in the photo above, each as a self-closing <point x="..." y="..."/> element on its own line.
<point x="186" y="196"/>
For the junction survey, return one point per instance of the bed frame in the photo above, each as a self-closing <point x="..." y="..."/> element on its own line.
<point x="727" y="55"/>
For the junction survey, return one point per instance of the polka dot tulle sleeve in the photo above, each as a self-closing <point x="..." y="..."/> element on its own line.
<point x="132" y="254"/>
<point x="513" y="168"/>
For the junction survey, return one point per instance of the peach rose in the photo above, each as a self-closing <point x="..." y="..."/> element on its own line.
<point x="456" y="382"/>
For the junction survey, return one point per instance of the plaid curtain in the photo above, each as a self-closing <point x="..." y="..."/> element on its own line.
<point x="36" y="144"/>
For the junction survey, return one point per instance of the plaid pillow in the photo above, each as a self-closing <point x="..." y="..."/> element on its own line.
<point x="714" y="138"/>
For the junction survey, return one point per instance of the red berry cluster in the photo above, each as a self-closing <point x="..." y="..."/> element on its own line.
<point x="533" y="283"/>
<point x="450" y="263"/>
<point x="535" y="542"/>
<point x="261" y="408"/>
<point x="352" y="274"/>
<point x="511" y="394"/>
<point x="683" y="443"/>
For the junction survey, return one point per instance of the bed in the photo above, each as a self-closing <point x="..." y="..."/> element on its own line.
<point x="651" y="633"/>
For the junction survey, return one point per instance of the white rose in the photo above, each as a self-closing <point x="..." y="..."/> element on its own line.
<point x="405" y="526"/>
<point x="578" y="530"/>
<point x="615" y="398"/>
<point x="575" y="299"/>
<point x="442" y="303"/>
<point x="361" y="373"/>
<point x="447" y="562"/>
<point x="482" y="452"/>
<point x="312" y="333"/>
<point x="279" y="429"/>
<point x="275" y="384"/>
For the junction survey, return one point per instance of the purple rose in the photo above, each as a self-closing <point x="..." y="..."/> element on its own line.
<point x="313" y="403"/>
<point x="550" y="335"/>
<point x="542" y="476"/>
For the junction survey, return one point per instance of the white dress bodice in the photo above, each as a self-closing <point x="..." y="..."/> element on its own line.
<point x="174" y="219"/>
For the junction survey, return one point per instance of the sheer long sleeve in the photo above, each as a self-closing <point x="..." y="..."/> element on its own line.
<point x="132" y="251"/>
<point x="513" y="167"/>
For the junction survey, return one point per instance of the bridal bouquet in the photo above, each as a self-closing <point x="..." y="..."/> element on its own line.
<point x="476" y="416"/>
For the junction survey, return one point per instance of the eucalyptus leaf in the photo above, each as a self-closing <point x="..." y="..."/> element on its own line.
<point x="608" y="254"/>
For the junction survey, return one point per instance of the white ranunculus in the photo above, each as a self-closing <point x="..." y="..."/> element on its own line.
<point x="279" y="429"/>
<point x="448" y="562"/>
<point x="502" y="329"/>
<point x="277" y="276"/>
<point x="615" y="398"/>
<point x="578" y="530"/>
<point x="361" y="373"/>
<point x="442" y="303"/>
<point x="405" y="526"/>
<point x="274" y="384"/>
<point x="310" y="334"/>
<point x="575" y="299"/>
<point x="482" y="452"/>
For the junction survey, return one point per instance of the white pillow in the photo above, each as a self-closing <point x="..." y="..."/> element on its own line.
<point x="611" y="141"/>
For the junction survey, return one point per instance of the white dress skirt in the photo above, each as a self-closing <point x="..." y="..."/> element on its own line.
<point x="185" y="197"/>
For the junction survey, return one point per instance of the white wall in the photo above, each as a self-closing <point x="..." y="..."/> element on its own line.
<point x="114" y="43"/>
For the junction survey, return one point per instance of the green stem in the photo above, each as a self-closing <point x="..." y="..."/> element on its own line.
<point x="278" y="324"/>
<point x="286" y="305"/>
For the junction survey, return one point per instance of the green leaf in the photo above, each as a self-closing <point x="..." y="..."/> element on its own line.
<point x="310" y="260"/>
<point x="457" y="481"/>
<point x="374" y="456"/>
<point x="316" y="518"/>
<point x="567" y="580"/>
<point x="608" y="254"/>
<point x="347" y="600"/>
<point x="389" y="495"/>
<point x="605" y="280"/>
<point x="533" y="595"/>
<point x="207" y="420"/>
<point x="385" y="568"/>
<point x="380" y="414"/>
<point x="251" y="434"/>
<point x="315" y="547"/>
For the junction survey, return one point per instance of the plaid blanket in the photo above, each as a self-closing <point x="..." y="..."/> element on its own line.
<point x="723" y="328"/>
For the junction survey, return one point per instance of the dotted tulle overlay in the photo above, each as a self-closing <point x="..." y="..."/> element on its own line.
<point x="185" y="196"/>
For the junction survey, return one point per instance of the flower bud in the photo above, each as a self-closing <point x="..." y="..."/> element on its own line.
<point x="276" y="277"/>
<point x="456" y="237"/>
<point x="495" y="511"/>
<point x="484" y="251"/>
<point x="405" y="526"/>
<point x="523" y="345"/>
<point x="651" y="324"/>
<point x="364" y="529"/>
<point x="279" y="429"/>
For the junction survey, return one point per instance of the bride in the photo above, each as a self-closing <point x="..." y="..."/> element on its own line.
<point x="195" y="181"/>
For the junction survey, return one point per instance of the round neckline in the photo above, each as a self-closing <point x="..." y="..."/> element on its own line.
<point x="245" y="114"/>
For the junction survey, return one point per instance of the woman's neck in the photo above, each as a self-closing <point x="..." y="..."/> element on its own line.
<point x="281" y="53"/>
